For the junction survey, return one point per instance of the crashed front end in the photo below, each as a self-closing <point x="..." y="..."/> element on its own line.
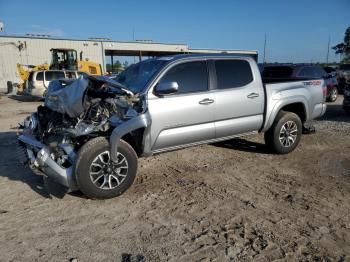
<point x="75" y="112"/>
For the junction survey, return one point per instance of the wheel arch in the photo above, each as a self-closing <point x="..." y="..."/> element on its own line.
<point x="297" y="106"/>
<point x="128" y="129"/>
<point x="135" y="140"/>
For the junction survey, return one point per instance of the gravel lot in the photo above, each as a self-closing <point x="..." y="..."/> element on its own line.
<point x="231" y="201"/>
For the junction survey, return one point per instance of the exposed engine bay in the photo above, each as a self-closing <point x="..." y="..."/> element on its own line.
<point x="73" y="113"/>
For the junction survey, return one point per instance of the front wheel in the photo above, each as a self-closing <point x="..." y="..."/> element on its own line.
<point x="285" y="133"/>
<point x="98" y="177"/>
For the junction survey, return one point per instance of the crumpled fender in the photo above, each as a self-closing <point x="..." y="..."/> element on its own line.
<point x="141" y="121"/>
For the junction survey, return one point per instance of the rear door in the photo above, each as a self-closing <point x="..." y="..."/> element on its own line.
<point x="187" y="116"/>
<point x="53" y="75"/>
<point x="239" y="98"/>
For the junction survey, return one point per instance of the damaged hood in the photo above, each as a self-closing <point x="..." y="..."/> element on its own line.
<point x="69" y="96"/>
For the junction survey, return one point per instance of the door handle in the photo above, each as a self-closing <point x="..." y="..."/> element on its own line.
<point x="253" y="95"/>
<point x="206" y="101"/>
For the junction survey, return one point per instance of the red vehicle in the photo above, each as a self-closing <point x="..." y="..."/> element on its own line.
<point x="301" y="71"/>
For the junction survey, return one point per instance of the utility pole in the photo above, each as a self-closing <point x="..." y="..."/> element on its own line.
<point x="329" y="42"/>
<point x="264" y="60"/>
<point x="133" y="39"/>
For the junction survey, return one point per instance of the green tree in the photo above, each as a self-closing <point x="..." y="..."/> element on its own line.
<point x="125" y="64"/>
<point x="118" y="66"/>
<point x="344" y="47"/>
<point x="109" y="68"/>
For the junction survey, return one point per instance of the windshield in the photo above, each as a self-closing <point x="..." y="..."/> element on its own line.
<point x="136" y="76"/>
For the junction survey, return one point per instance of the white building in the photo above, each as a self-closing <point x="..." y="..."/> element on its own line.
<point x="35" y="49"/>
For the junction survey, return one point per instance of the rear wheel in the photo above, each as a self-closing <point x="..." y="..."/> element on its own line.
<point x="333" y="94"/>
<point x="285" y="133"/>
<point x="98" y="176"/>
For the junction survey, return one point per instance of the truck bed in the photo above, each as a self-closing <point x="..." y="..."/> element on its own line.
<point x="305" y="92"/>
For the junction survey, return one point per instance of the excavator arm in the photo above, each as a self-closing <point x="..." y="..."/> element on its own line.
<point x="24" y="72"/>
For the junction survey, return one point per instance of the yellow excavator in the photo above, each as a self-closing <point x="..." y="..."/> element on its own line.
<point x="61" y="59"/>
<point x="24" y="72"/>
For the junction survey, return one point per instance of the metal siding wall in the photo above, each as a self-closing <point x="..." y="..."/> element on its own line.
<point x="37" y="51"/>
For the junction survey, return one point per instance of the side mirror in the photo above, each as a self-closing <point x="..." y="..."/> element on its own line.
<point x="166" y="88"/>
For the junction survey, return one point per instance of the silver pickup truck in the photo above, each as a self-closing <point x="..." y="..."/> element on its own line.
<point x="90" y="132"/>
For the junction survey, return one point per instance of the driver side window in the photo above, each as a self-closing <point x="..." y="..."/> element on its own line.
<point x="190" y="76"/>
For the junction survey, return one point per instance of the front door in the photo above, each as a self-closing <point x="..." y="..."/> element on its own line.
<point x="187" y="116"/>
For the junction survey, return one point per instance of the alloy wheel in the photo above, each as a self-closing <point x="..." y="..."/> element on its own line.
<point x="333" y="94"/>
<point x="106" y="174"/>
<point x="288" y="134"/>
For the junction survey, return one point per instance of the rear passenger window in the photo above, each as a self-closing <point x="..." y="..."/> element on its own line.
<point x="191" y="77"/>
<point x="53" y="75"/>
<point x="232" y="73"/>
<point x="40" y="76"/>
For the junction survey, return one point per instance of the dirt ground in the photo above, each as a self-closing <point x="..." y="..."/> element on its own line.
<point x="231" y="201"/>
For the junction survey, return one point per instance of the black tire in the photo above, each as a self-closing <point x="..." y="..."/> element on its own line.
<point x="333" y="94"/>
<point x="9" y="87"/>
<point x="88" y="154"/>
<point x="272" y="136"/>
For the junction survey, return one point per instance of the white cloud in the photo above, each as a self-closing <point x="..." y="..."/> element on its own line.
<point x="41" y="30"/>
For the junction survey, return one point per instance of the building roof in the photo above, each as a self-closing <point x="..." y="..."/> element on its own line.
<point x="180" y="47"/>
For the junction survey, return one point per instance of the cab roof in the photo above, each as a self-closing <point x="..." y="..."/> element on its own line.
<point x="203" y="55"/>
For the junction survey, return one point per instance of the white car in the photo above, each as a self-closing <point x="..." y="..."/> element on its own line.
<point x="38" y="81"/>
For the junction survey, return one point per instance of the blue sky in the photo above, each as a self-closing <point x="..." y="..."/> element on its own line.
<point x="297" y="30"/>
